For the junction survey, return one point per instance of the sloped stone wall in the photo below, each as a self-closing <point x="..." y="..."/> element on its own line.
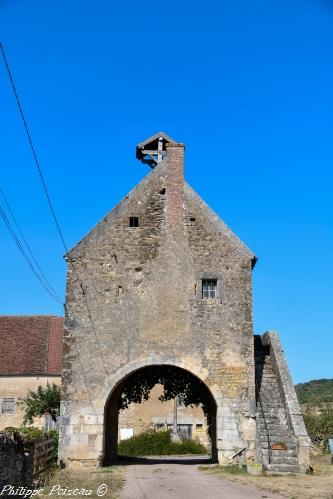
<point x="288" y="393"/>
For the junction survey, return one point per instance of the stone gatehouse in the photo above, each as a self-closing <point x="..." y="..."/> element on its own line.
<point x="161" y="282"/>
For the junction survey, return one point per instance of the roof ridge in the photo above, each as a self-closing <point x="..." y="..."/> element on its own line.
<point x="31" y="315"/>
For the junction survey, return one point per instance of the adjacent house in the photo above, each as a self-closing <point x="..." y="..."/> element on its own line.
<point x="190" y="421"/>
<point x="30" y="355"/>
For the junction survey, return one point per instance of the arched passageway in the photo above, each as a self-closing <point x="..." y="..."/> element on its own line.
<point x="136" y="387"/>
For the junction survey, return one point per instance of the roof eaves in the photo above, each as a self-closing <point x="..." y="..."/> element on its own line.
<point x="154" y="137"/>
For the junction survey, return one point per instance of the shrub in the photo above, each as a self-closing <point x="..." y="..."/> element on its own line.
<point x="55" y="435"/>
<point x="319" y="423"/>
<point x="26" y="432"/>
<point x="45" y="400"/>
<point x="11" y="429"/>
<point x="158" y="443"/>
<point x="27" y="435"/>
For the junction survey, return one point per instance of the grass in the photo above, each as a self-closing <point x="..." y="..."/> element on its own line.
<point x="158" y="443"/>
<point x="318" y="485"/>
<point x="232" y="469"/>
<point x="86" y="479"/>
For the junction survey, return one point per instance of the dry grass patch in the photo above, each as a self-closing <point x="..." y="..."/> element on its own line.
<point x="318" y="485"/>
<point x="87" y="480"/>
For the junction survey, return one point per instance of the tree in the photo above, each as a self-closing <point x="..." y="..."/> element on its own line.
<point x="318" y="419"/>
<point x="44" y="401"/>
<point x="176" y="382"/>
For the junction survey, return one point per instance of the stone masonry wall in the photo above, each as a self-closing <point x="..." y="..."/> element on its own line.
<point x="288" y="394"/>
<point x="15" y="464"/>
<point x="143" y="288"/>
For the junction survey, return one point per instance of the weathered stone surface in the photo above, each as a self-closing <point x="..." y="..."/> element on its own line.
<point x="19" y="462"/>
<point x="143" y="290"/>
<point x="134" y="299"/>
<point x="278" y="414"/>
<point x="14" y="464"/>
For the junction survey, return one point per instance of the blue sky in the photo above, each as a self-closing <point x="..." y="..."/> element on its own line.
<point x="247" y="87"/>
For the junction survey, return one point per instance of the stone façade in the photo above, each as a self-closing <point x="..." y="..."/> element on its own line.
<point x="134" y="299"/>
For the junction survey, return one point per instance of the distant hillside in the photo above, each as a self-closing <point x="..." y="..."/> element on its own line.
<point x="313" y="390"/>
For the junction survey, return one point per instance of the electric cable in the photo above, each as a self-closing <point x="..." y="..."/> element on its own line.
<point x="32" y="147"/>
<point x="25" y="256"/>
<point x="33" y="258"/>
<point x="33" y="150"/>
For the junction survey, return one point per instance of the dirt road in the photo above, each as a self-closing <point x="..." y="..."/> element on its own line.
<point x="179" y="478"/>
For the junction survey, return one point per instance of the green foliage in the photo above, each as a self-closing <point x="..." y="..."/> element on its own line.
<point x="31" y="432"/>
<point x="26" y="432"/>
<point x="158" y="443"/>
<point x="319" y="422"/>
<point x="12" y="429"/>
<point x="317" y="395"/>
<point x="314" y="391"/>
<point x="176" y="383"/>
<point x="55" y="435"/>
<point x="41" y="402"/>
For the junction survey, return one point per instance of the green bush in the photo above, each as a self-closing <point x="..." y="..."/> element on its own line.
<point x="319" y="423"/>
<point x="11" y="429"/>
<point x="45" y="400"/>
<point x="158" y="443"/>
<point x="28" y="434"/>
<point x="55" y="435"/>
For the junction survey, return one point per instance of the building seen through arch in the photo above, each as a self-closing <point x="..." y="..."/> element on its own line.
<point x="170" y="380"/>
<point x="153" y="414"/>
<point x="162" y="286"/>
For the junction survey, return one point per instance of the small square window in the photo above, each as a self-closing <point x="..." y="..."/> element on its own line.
<point x="8" y="406"/>
<point x="209" y="288"/>
<point x="134" y="222"/>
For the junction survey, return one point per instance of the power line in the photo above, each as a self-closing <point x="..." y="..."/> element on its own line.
<point x="25" y="256"/>
<point x="49" y="200"/>
<point x="32" y="147"/>
<point x="33" y="258"/>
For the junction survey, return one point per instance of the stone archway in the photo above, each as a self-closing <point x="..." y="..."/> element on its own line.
<point x="193" y="382"/>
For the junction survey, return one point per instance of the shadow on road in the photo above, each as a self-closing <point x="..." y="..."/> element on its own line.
<point x="128" y="460"/>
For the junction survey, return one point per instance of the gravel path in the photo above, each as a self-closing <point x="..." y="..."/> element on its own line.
<point x="179" y="478"/>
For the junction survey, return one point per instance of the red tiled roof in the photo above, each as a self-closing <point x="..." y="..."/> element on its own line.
<point x="31" y="344"/>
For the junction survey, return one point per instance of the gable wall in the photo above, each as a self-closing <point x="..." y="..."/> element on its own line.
<point x="142" y="289"/>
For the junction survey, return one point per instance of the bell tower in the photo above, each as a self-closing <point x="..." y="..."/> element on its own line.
<point x="153" y="150"/>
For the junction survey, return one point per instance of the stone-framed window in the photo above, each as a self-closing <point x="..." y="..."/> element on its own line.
<point x="134" y="221"/>
<point x="8" y="405"/>
<point x="209" y="286"/>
